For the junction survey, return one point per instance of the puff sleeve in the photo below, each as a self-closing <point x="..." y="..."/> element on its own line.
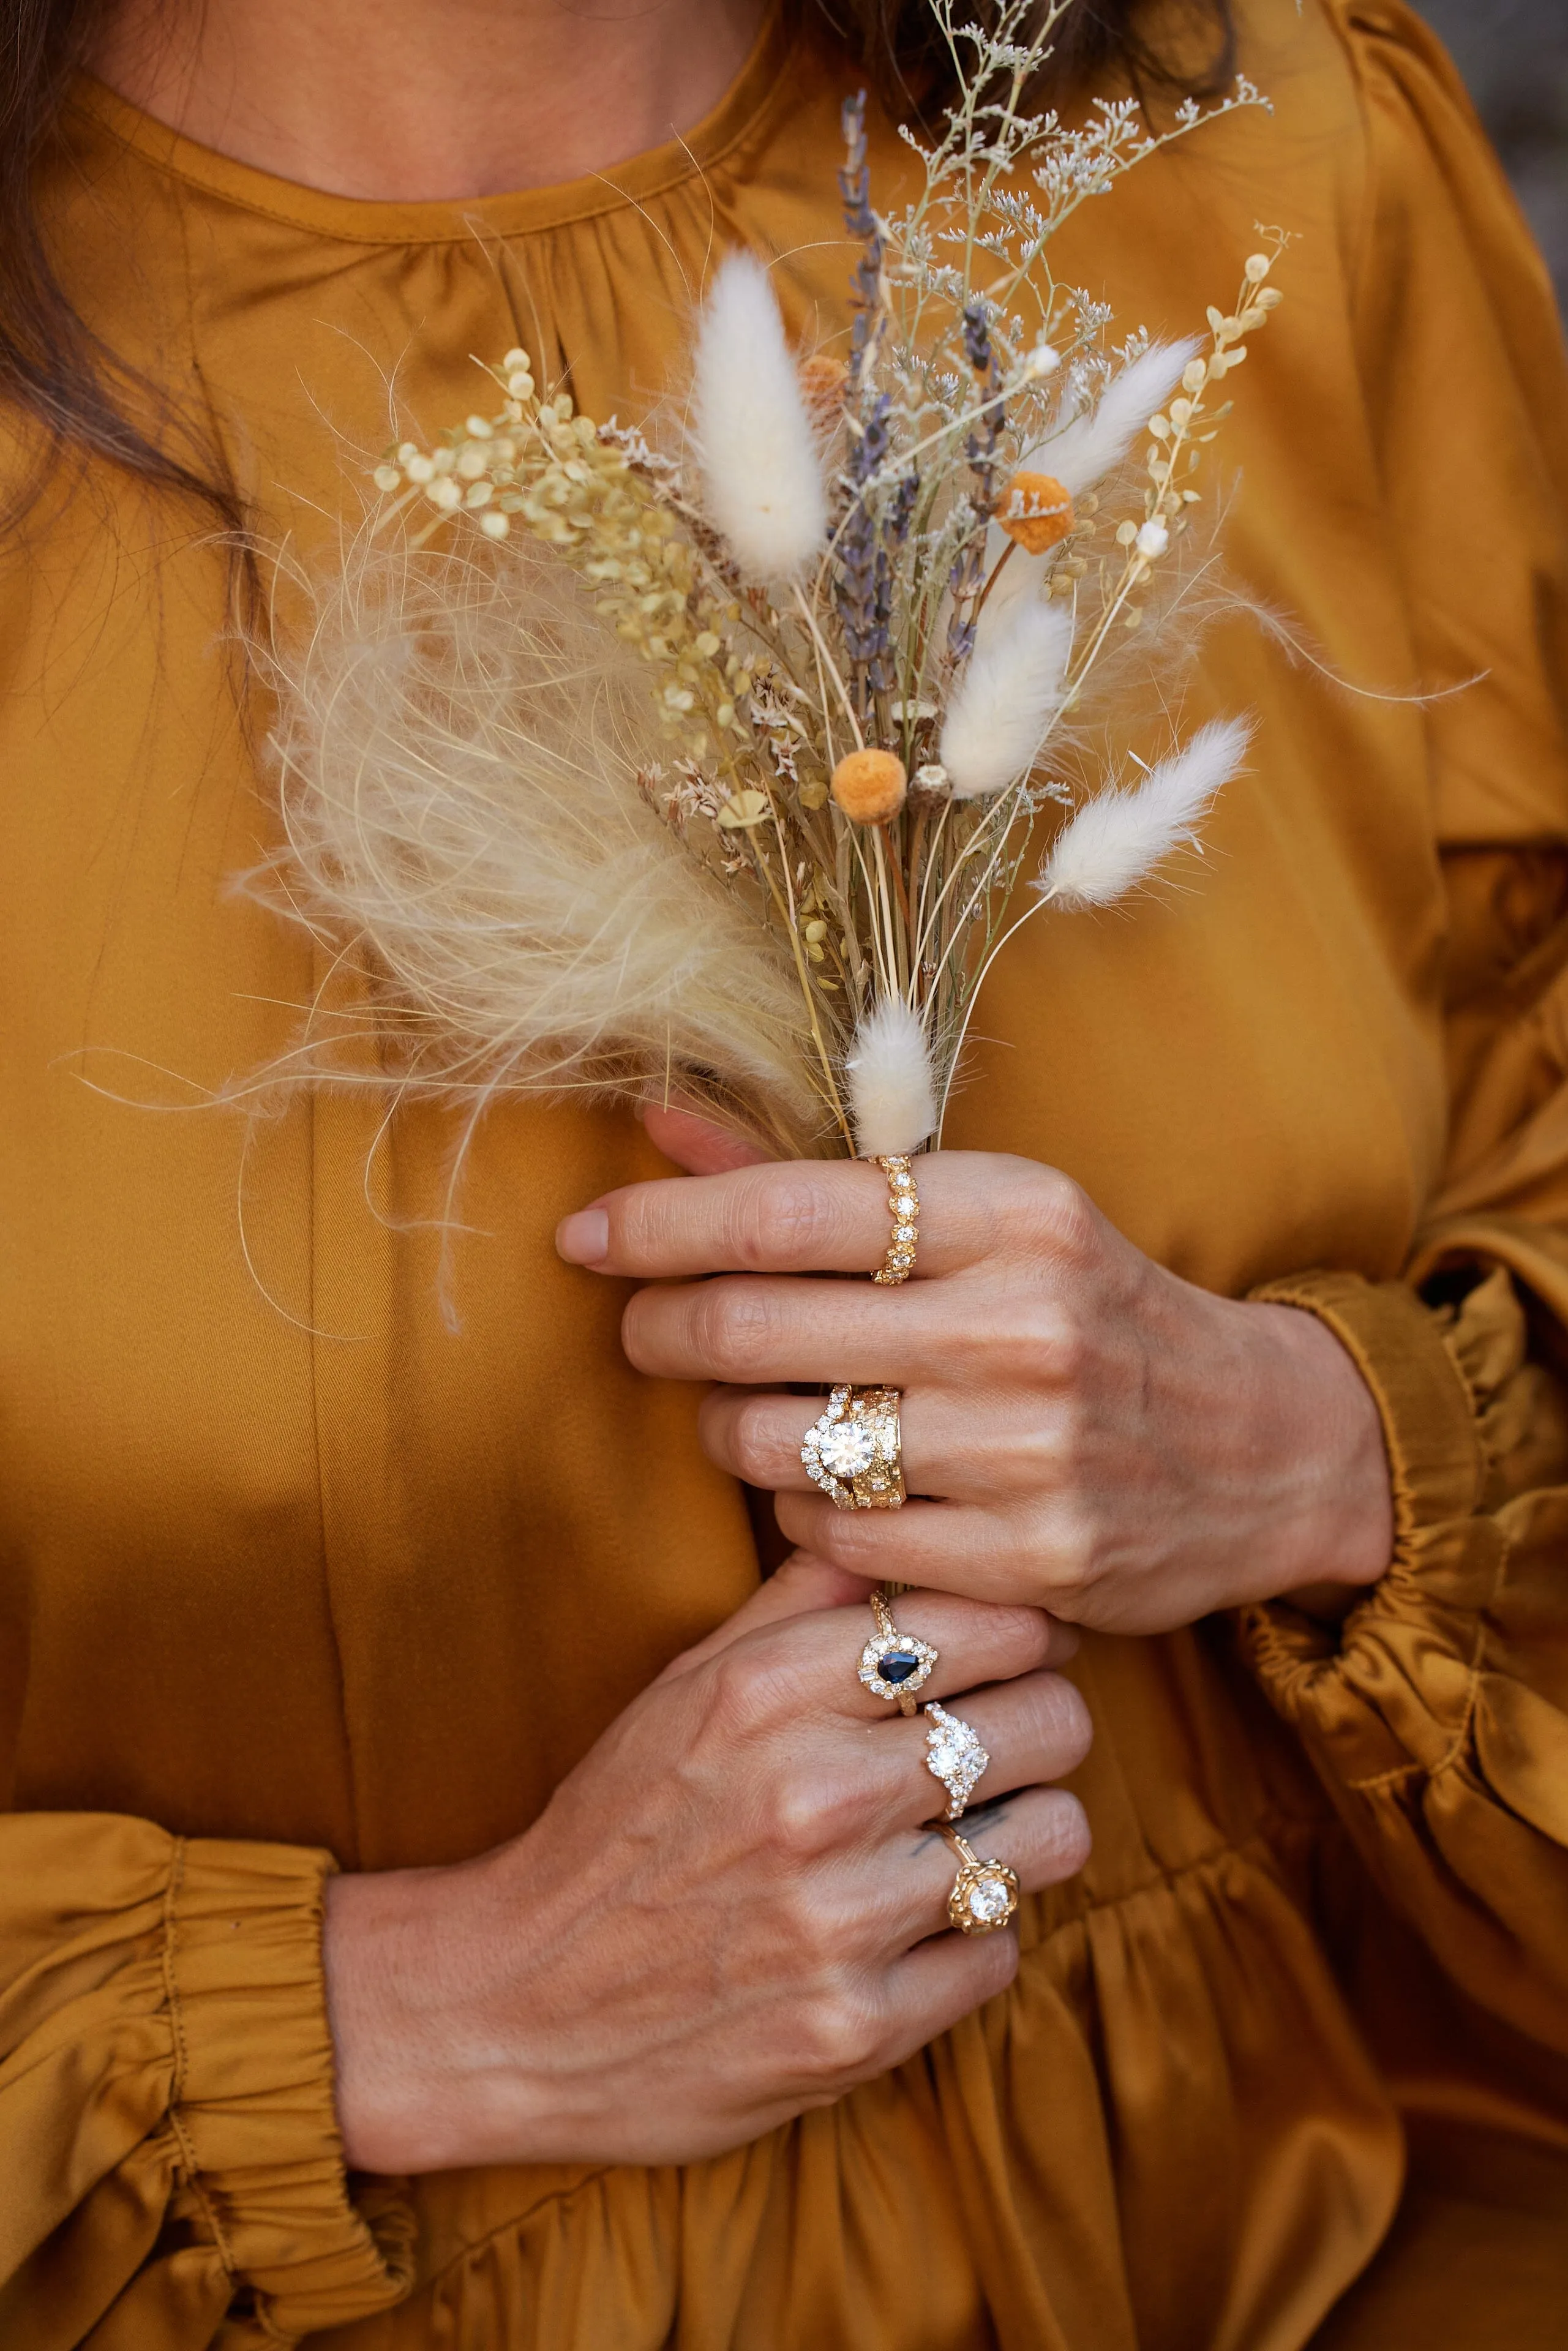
<point x="169" y="2166"/>
<point x="1437" y="1714"/>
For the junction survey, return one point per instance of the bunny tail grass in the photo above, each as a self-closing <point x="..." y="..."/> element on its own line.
<point x="892" y="1098"/>
<point x="756" y="446"/>
<point x="1006" y="697"/>
<point x="1118" y="839"/>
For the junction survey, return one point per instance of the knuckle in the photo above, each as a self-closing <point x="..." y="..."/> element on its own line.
<point x="732" y="1325"/>
<point x="758" y="1454"/>
<point x="1062" y="1724"/>
<point x="777" y="1219"/>
<point x="1067" y="1838"/>
<point x="1022" y="1633"/>
<point x="805" y="1817"/>
<point x="743" y="1692"/>
<point x="843" y="2028"/>
<point x="1057" y="1212"/>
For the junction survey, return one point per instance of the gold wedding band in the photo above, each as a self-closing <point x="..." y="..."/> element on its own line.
<point x="894" y="1665"/>
<point x="985" y="1893"/>
<point x="903" y="1207"/>
<point x="855" y="1451"/>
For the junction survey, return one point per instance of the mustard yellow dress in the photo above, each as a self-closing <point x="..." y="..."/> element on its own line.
<point x="296" y="1575"/>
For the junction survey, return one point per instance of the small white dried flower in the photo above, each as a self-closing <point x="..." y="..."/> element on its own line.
<point x="1151" y="542"/>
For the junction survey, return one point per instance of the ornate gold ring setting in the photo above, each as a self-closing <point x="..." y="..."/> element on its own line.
<point x="903" y="1207"/>
<point x="955" y="1756"/>
<point x="894" y="1665"/>
<point x="855" y="1451"/>
<point x="985" y="1893"/>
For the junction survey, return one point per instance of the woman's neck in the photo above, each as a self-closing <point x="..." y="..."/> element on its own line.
<point x="410" y="100"/>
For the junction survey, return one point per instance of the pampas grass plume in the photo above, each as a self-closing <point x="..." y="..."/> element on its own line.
<point x="1006" y="697"/>
<point x="891" y="1099"/>
<point x="1118" y="839"/>
<point x="756" y="447"/>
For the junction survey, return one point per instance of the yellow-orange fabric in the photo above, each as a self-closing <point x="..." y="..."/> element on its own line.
<point x="316" y="1550"/>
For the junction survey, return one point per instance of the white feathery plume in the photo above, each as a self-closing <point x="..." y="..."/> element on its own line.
<point x="1119" y="838"/>
<point x="460" y="756"/>
<point x="756" y="449"/>
<point x="1006" y="697"/>
<point x="892" y="1101"/>
<point x="1097" y="439"/>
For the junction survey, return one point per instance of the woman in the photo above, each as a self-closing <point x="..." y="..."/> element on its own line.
<point x="446" y="1899"/>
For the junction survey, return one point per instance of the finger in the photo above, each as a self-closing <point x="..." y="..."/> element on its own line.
<point x="956" y="1445"/>
<point x="941" y="1981"/>
<point x="699" y="1145"/>
<point x="822" y="1217"/>
<point x="803" y="1675"/>
<point x="1041" y="1834"/>
<point x="1033" y="1730"/>
<point x="801" y="1586"/>
<point x="994" y="1554"/>
<point x="764" y="1330"/>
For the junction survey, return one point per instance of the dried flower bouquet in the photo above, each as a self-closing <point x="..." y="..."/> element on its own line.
<point x="712" y="770"/>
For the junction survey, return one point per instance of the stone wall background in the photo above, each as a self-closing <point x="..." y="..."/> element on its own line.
<point x="1514" y="55"/>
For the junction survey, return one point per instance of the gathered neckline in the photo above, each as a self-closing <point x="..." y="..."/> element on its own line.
<point x="760" y="87"/>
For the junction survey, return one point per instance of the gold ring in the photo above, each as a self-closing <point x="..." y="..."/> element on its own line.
<point x="985" y="1893"/>
<point x="893" y="1664"/>
<point x="855" y="1451"/>
<point x="903" y="1207"/>
<point x="955" y="1756"/>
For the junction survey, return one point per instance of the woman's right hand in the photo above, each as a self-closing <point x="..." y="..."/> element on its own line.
<point x="730" y="1911"/>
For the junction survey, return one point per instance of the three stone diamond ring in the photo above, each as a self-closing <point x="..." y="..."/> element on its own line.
<point x="955" y="1756"/>
<point x="894" y="1665"/>
<point x="855" y="1451"/>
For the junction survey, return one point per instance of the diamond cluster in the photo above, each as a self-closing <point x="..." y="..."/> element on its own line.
<point x="955" y="1758"/>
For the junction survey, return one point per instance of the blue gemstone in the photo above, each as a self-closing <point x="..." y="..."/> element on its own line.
<point x="897" y="1666"/>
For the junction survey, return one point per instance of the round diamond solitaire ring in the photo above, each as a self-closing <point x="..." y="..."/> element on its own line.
<point x="854" y="1452"/>
<point x="985" y="1893"/>
<point x="956" y="1757"/>
<point x="894" y="1665"/>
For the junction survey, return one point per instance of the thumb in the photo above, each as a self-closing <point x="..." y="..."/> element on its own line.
<point x="699" y="1145"/>
<point x="799" y="1588"/>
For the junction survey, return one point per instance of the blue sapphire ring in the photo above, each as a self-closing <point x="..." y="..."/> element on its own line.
<point x="894" y="1665"/>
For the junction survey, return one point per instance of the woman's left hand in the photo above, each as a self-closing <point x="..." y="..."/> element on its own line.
<point x="1095" y="1436"/>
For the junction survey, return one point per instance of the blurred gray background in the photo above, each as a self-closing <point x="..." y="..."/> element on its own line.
<point x="1514" y="55"/>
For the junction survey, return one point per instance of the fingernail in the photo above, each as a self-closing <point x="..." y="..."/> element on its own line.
<point x="584" y="1239"/>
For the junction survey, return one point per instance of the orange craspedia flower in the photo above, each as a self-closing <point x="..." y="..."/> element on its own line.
<point x="822" y="382"/>
<point x="870" y="786"/>
<point x="1035" y="510"/>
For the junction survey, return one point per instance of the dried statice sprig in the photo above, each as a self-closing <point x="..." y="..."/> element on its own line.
<point x="872" y="604"/>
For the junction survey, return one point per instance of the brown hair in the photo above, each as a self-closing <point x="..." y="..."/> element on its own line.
<point x="81" y="399"/>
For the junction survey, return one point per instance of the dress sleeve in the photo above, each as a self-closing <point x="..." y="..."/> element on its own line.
<point x="170" y="2164"/>
<point x="1438" y="1713"/>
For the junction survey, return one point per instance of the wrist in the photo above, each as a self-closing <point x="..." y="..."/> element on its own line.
<point x="405" y="1955"/>
<point x="1340" y="1536"/>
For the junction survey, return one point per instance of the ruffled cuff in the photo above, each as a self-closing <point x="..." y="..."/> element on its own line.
<point x="252" y="2106"/>
<point x="1390" y="1691"/>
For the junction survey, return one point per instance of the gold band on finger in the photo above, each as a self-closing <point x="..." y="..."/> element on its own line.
<point x="894" y="1665"/>
<point x="985" y="1893"/>
<point x="903" y="1207"/>
<point x="855" y="1451"/>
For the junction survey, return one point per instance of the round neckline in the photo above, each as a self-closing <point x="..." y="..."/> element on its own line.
<point x="757" y="91"/>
